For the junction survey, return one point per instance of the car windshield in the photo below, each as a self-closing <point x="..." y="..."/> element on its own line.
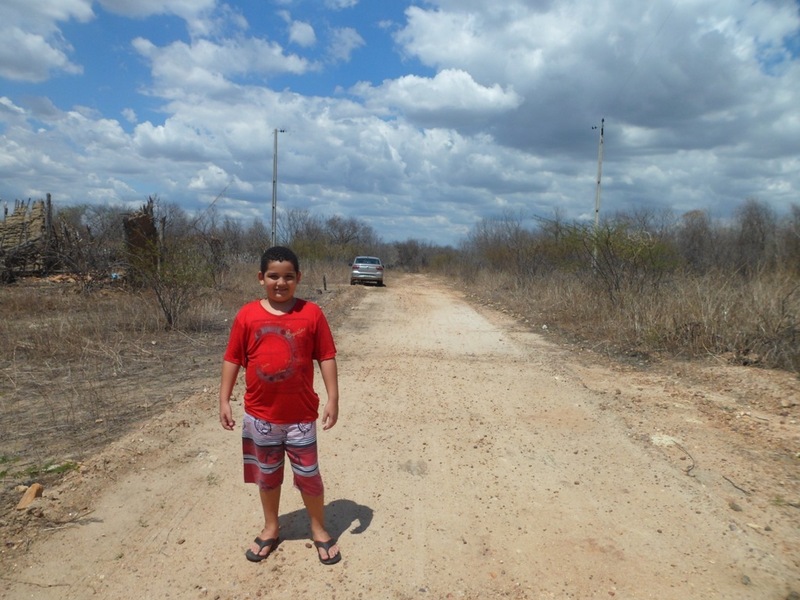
<point x="368" y="261"/>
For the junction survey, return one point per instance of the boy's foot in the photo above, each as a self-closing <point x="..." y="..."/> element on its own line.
<point x="328" y="552"/>
<point x="261" y="549"/>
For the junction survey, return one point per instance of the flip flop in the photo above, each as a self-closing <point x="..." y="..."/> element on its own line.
<point x="327" y="547"/>
<point x="271" y="542"/>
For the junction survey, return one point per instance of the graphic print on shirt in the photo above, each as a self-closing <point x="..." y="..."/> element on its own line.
<point x="277" y="353"/>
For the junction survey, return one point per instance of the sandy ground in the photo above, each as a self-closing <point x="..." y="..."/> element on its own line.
<point x="474" y="458"/>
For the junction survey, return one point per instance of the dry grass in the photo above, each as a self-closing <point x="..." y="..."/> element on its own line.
<point x="754" y="321"/>
<point x="80" y="368"/>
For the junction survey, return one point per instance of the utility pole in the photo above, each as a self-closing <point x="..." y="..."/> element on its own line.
<point x="597" y="191"/>
<point x="273" y="238"/>
<point x="599" y="173"/>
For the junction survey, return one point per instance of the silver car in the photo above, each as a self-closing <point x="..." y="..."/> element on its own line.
<point x="366" y="268"/>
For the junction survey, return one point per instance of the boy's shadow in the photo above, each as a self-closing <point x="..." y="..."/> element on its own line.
<point x="339" y="516"/>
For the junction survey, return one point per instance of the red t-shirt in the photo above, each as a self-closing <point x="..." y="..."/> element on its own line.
<point x="278" y="354"/>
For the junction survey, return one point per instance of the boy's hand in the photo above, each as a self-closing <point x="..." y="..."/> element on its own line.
<point x="330" y="414"/>
<point x="226" y="416"/>
<point x="229" y="372"/>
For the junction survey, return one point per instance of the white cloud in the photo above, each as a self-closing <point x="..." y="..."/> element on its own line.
<point x="340" y="4"/>
<point x="176" y="140"/>
<point x="30" y="57"/>
<point x="105" y="190"/>
<point x="212" y="177"/>
<point x="9" y="108"/>
<point x="302" y="34"/>
<point x="144" y="8"/>
<point x="449" y="98"/>
<point x="42" y="14"/>
<point x="345" y="40"/>
<point x="208" y="67"/>
<point x="203" y="18"/>
<point x="31" y="44"/>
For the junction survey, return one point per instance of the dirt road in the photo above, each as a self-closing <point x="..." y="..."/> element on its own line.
<point x="473" y="459"/>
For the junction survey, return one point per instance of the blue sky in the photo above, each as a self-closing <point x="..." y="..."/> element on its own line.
<point x="419" y="118"/>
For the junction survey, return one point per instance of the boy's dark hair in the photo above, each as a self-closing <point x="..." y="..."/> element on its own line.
<point x="279" y="254"/>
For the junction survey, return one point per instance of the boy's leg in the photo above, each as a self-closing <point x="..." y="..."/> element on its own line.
<point x="270" y="504"/>
<point x="315" y="506"/>
<point x="301" y="448"/>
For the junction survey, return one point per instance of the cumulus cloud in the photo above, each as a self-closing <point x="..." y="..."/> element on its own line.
<point x="210" y="66"/>
<point x="175" y="141"/>
<point x="450" y="97"/>
<point x="31" y="44"/>
<point x="31" y="57"/>
<point x="213" y="176"/>
<point x="302" y="34"/>
<point x="344" y="41"/>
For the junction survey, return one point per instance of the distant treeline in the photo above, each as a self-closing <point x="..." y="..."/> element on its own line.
<point x="643" y="246"/>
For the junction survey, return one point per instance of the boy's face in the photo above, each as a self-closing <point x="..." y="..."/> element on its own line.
<point x="280" y="281"/>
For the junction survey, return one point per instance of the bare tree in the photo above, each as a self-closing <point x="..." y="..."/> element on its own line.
<point x="756" y="229"/>
<point x="694" y="240"/>
<point x="789" y="240"/>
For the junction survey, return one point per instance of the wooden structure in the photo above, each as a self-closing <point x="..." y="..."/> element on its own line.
<point x="26" y="239"/>
<point x="142" y="240"/>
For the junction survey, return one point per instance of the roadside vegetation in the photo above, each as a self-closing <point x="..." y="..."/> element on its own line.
<point x="645" y="285"/>
<point x="113" y="334"/>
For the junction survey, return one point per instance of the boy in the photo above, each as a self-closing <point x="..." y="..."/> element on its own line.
<point x="276" y="340"/>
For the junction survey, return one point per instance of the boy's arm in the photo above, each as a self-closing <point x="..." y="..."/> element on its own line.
<point x="229" y="372"/>
<point x="330" y="377"/>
